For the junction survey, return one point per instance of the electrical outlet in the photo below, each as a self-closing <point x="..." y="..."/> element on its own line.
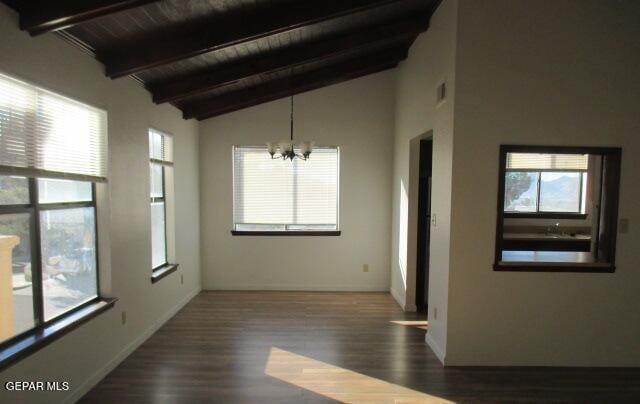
<point x="124" y="317"/>
<point x="435" y="313"/>
<point x="181" y="279"/>
<point x="365" y="268"/>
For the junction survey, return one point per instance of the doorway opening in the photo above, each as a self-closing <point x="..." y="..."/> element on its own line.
<point x="424" y="225"/>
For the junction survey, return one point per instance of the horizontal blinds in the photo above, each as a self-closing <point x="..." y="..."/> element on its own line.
<point x="536" y="161"/>
<point x="317" y="188"/>
<point x="160" y="147"/>
<point x="45" y="134"/>
<point x="276" y="191"/>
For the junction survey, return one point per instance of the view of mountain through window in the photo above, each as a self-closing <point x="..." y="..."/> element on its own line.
<point x="545" y="183"/>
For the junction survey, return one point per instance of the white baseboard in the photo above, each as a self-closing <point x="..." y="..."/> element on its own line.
<point x="302" y="288"/>
<point x="434" y="347"/>
<point x="398" y="297"/>
<point x="122" y="355"/>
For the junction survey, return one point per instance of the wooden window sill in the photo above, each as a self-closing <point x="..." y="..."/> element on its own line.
<point x="574" y="267"/>
<point x="544" y="215"/>
<point x="21" y="346"/>
<point x="286" y="233"/>
<point x="163" y="272"/>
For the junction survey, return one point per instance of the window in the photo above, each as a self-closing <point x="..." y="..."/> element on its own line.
<point x="52" y="154"/>
<point x="46" y="134"/>
<point x="161" y="161"/>
<point x="541" y="188"/>
<point x="279" y="197"/>
<point x="545" y="183"/>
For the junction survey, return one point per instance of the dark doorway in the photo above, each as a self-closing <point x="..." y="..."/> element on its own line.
<point x="424" y="225"/>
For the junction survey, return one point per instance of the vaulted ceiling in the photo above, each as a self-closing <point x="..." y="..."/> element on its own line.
<point x="211" y="57"/>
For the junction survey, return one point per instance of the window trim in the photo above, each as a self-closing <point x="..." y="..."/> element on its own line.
<point x="46" y="331"/>
<point x="161" y="271"/>
<point x="545" y="215"/>
<point x="286" y="233"/>
<point x="320" y="232"/>
<point x="26" y="343"/>
<point x="162" y="199"/>
<point x="614" y="197"/>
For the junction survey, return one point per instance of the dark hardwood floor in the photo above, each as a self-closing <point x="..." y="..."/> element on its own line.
<point x="298" y="347"/>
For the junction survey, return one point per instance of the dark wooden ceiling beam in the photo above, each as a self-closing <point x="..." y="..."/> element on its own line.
<point x="280" y="88"/>
<point x="221" y="33"/>
<point x="286" y="59"/>
<point x="39" y="17"/>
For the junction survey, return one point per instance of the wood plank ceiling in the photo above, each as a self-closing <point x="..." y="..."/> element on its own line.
<point x="211" y="57"/>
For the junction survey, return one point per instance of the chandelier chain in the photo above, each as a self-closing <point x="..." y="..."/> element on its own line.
<point x="291" y="117"/>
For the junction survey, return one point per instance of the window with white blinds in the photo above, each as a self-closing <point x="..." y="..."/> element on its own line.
<point x="160" y="147"/>
<point x="45" y="134"/>
<point x="280" y="195"/>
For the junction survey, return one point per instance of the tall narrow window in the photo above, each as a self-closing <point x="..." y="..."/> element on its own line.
<point x="53" y="151"/>
<point x="274" y="195"/>
<point x="161" y="160"/>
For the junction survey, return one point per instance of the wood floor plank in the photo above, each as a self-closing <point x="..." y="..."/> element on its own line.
<point x="304" y="347"/>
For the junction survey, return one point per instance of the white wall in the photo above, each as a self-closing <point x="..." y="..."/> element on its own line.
<point x="431" y="61"/>
<point x="358" y="117"/>
<point x="567" y="73"/>
<point x="83" y="356"/>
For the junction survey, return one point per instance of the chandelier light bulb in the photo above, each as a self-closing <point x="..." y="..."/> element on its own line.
<point x="306" y="148"/>
<point x="285" y="146"/>
<point x="272" y="148"/>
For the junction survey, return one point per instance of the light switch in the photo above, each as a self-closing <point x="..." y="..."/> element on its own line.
<point x="434" y="222"/>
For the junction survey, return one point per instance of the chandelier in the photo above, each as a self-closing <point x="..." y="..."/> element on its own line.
<point x="287" y="148"/>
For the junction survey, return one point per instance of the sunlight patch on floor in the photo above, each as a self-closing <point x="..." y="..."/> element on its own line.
<point x="417" y="324"/>
<point x="337" y="383"/>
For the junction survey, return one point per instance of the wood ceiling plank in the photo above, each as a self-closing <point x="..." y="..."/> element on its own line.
<point x="288" y="86"/>
<point x="289" y="58"/>
<point x="224" y="32"/>
<point x="39" y="17"/>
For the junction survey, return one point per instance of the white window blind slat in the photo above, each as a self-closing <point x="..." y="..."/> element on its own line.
<point x="48" y="135"/>
<point x="279" y="192"/>
<point x="160" y="146"/>
<point x="537" y="161"/>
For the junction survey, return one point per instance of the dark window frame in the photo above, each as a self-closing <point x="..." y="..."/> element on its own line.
<point x="538" y="214"/>
<point x="610" y="172"/>
<point x="162" y="199"/>
<point x="44" y="331"/>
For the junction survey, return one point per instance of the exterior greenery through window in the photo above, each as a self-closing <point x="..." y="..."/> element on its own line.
<point x="274" y="195"/>
<point x="48" y="233"/>
<point x="53" y="151"/>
